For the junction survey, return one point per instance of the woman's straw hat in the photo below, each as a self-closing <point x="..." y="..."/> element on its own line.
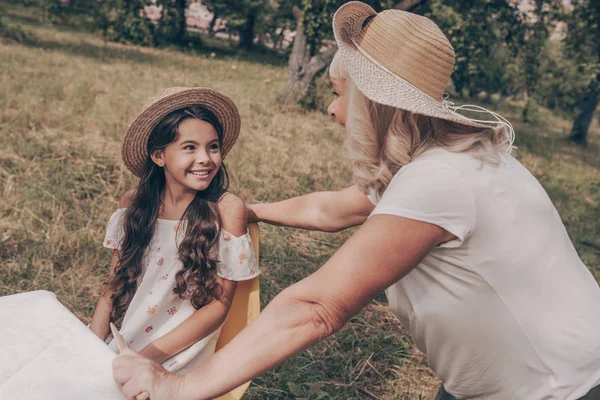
<point x="399" y="59"/>
<point x="134" y="151"/>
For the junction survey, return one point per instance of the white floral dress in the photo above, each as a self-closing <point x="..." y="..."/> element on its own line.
<point x="155" y="310"/>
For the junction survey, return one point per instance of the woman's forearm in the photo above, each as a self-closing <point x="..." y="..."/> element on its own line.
<point x="303" y="212"/>
<point x="322" y="211"/>
<point x="286" y="326"/>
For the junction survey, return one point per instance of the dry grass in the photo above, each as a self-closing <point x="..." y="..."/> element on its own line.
<point x="64" y="106"/>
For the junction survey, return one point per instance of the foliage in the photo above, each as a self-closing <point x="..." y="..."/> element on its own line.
<point x="583" y="44"/>
<point x="124" y="21"/>
<point x="171" y="27"/>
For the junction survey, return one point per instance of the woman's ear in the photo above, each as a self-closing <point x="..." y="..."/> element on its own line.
<point x="158" y="157"/>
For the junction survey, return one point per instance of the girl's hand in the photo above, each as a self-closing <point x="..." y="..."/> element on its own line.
<point x="135" y="374"/>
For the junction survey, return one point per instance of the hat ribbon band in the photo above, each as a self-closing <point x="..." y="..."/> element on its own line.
<point x="500" y="120"/>
<point x="449" y="105"/>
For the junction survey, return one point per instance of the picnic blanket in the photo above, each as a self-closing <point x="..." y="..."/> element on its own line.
<point x="47" y="353"/>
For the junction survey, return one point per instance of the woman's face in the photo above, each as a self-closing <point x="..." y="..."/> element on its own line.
<point x="337" y="108"/>
<point x="194" y="158"/>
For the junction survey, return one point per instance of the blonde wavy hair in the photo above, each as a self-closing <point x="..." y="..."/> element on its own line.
<point x="381" y="139"/>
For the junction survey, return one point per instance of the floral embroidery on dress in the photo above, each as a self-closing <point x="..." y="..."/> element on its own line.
<point x="237" y="261"/>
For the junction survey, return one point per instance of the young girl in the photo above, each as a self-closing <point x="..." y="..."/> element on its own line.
<point x="180" y="239"/>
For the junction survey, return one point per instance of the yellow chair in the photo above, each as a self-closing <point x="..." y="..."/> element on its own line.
<point x="244" y="309"/>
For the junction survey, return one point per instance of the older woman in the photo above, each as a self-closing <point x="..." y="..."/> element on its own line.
<point x="473" y="256"/>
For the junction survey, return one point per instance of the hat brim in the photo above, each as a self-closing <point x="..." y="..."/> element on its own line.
<point x="374" y="81"/>
<point x="134" y="150"/>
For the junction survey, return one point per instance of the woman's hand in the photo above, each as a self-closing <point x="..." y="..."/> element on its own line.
<point x="135" y="374"/>
<point x="252" y="217"/>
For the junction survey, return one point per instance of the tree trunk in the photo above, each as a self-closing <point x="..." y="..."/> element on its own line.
<point x="181" y="22"/>
<point x="247" y="32"/>
<point x="584" y="112"/>
<point x="302" y="68"/>
<point x="407" y="5"/>
<point x="211" y="27"/>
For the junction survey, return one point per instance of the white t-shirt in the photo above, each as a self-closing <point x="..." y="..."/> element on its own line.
<point x="507" y="310"/>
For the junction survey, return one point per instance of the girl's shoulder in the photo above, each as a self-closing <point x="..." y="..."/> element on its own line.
<point x="126" y="199"/>
<point x="233" y="214"/>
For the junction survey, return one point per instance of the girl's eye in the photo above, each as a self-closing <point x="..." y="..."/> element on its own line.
<point x="335" y="93"/>
<point x="189" y="147"/>
<point x="214" y="147"/>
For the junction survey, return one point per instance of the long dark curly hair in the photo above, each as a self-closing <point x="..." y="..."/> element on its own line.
<point x="196" y="281"/>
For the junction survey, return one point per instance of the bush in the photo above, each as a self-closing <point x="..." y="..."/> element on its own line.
<point x="124" y="21"/>
<point x="15" y="33"/>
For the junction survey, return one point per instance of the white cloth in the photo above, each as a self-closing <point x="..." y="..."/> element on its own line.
<point x="47" y="353"/>
<point x="155" y="310"/>
<point x="507" y="310"/>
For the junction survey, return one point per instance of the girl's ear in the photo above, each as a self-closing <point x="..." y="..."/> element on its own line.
<point x="158" y="157"/>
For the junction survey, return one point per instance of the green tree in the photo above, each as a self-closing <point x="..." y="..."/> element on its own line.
<point x="172" y="26"/>
<point x="485" y="37"/>
<point x="313" y="30"/>
<point x="125" y="21"/>
<point x="245" y="17"/>
<point x="582" y="43"/>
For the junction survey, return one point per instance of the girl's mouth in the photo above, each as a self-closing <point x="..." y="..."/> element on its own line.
<point x="201" y="174"/>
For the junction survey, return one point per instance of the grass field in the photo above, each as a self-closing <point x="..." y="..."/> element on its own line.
<point x="66" y="100"/>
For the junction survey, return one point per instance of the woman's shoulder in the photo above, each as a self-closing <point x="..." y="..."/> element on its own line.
<point x="233" y="214"/>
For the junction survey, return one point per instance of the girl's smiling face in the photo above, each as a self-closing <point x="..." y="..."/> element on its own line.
<point x="194" y="158"/>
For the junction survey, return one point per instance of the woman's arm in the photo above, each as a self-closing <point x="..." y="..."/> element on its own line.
<point x="208" y="318"/>
<point x="323" y="211"/>
<point x="380" y="253"/>
<point x="101" y="318"/>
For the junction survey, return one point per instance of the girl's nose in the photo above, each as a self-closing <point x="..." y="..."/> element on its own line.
<point x="202" y="158"/>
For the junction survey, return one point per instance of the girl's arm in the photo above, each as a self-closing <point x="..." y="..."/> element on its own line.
<point x="322" y="211"/>
<point x="203" y="322"/>
<point x="381" y="252"/>
<point x="208" y="318"/>
<point x="101" y="318"/>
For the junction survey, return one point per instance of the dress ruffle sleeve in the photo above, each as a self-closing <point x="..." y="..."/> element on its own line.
<point x="114" y="230"/>
<point x="237" y="260"/>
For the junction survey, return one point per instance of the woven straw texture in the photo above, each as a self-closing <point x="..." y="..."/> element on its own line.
<point x="399" y="59"/>
<point x="134" y="151"/>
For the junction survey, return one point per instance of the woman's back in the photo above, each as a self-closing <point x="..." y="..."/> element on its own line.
<point x="513" y="269"/>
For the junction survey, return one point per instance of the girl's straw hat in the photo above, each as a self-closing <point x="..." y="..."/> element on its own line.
<point x="134" y="151"/>
<point x="400" y="59"/>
